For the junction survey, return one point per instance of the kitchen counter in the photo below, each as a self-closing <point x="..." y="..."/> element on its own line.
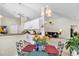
<point x="11" y="34"/>
<point x="8" y="43"/>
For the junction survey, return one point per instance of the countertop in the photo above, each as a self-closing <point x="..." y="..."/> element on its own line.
<point x="12" y="34"/>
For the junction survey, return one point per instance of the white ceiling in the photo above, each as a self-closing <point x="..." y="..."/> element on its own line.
<point x="31" y="10"/>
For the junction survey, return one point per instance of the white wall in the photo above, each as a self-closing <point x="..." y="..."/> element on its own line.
<point x="33" y="24"/>
<point x="61" y="23"/>
<point x="13" y="25"/>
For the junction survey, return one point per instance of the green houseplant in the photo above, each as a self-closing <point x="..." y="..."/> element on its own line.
<point x="73" y="44"/>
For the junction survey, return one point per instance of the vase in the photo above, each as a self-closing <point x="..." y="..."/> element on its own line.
<point x="40" y="48"/>
<point x="37" y="47"/>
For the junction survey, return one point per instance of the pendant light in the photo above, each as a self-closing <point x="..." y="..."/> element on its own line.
<point x="46" y="11"/>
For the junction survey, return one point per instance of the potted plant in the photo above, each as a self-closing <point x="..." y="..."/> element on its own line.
<point x="73" y="44"/>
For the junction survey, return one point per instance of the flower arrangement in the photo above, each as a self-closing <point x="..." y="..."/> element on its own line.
<point x="41" y="40"/>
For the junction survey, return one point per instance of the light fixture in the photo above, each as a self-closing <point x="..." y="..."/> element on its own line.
<point x="46" y="11"/>
<point x="60" y="31"/>
<point x="42" y="11"/>
<point x="1" y="16"/>
<point x="49" y="12"/>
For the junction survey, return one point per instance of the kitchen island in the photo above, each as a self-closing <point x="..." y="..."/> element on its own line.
<point x="8" y="43"/>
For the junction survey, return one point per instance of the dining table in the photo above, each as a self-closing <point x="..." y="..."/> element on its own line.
<point x="36" y="53"/>
<point x="49" y="50"/>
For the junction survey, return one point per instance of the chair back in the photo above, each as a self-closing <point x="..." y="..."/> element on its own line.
<point x="21" y="43"/>
<point x="60" y="47"/>
<point x="18" y="48"/>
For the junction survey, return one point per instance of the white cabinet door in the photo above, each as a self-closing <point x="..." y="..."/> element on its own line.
<point x="13" y="29"/>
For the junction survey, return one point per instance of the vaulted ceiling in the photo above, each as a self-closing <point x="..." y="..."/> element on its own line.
<point x="33" y="10"/>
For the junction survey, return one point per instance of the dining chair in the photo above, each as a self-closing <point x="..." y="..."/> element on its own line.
<point x="60" y="47"/>
<point x="18" y="49"/>
<point x="21" y="44"/>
